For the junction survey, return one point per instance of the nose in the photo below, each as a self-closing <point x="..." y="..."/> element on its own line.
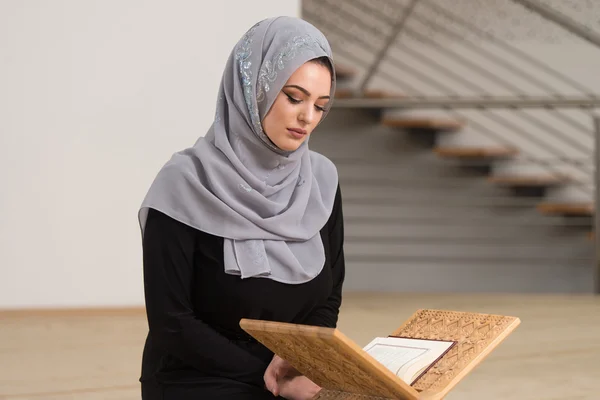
<point x="307" y="114"/>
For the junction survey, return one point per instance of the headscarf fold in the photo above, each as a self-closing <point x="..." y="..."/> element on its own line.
<point x="269" y="205"/>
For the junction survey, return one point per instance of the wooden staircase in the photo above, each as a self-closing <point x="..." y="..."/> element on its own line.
<point x="470" y="153"/>
<point x="567" y="209"/>
<point x="528" y="181"/>
<point x="437" y="124"/>
<point x="434" y="126"/>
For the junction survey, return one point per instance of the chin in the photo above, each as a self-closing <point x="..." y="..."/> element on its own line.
<point x="290" y="145"/>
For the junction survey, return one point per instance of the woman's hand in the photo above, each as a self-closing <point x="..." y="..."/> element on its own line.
<point x="282" y="379"/>
<point x="298" y="388"/>
<point x="277" y="371"/>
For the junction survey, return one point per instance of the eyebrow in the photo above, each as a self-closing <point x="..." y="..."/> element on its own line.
<point x="306" y="92"/>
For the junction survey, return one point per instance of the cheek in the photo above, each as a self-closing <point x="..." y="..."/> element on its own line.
<point x="280" y="113"/>
<point x="272" y="120"/>
<point x="285" y="109"/>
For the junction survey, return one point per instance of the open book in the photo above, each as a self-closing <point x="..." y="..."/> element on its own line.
<point x="407" y="358"/>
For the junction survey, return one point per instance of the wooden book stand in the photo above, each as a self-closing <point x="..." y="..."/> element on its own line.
<point x="345" y="371"/>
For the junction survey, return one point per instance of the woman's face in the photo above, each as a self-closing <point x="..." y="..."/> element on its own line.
<point x="298" y="108"/>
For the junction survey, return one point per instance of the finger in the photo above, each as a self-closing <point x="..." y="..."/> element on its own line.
<point x="273" y="388"/>
<point x="271" y="382"/>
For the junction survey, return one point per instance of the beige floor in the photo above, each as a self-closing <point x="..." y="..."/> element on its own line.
<point x="554" y="354"/>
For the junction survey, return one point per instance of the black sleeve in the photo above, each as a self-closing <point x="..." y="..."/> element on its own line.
<point x="326" y="314"/>
<point x="168" y="254"/>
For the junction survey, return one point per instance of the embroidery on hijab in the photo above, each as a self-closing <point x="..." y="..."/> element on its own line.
<point x="268" y="74"/>
<point x="242" y="55"/>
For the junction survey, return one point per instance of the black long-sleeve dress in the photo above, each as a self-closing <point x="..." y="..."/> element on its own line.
<point x="195" y="347"/>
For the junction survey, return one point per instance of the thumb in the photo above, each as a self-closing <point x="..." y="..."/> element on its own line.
<point x="271" y="382"/>
<point x="273" y="388"/>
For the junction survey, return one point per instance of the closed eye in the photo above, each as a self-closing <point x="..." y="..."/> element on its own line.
<point x="292" y="100"/>
<point x="296" y="101"/>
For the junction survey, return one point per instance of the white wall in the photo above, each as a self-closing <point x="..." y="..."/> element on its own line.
<point x="94" y="97"/>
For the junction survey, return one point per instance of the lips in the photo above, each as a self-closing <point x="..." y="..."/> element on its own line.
<point x="297" y="132"/>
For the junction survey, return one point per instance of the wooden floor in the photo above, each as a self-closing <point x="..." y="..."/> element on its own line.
<point x="553" y="354"/>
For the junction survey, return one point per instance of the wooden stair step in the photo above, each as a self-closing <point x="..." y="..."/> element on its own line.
<point x="343" y="93"/>
<point x="424" y="123"/>
<point x="344" y="72"/>
<point x="381" y="94"/>
<point x="570" y="209"/>
<point x="348" y="93"/>
<point x="532" y="180"/>
<point x="475" y="152"/>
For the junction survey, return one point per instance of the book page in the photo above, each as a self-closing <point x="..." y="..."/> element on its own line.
<point x="405" y="357"/>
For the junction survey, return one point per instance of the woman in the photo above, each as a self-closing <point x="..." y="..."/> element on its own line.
<point x="245" y="224"/>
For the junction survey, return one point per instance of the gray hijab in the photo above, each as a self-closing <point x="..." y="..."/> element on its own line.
<point x="267" y="204"/>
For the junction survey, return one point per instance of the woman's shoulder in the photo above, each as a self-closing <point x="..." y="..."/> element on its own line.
<point x="323" y="167"/>
<point x="169" y="224"/>
<point x="162" y="220"/>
